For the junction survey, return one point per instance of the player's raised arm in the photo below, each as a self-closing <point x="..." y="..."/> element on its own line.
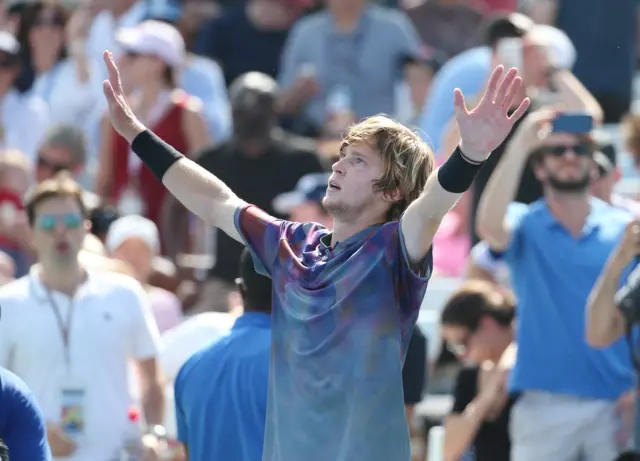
<point x="200" y="191"/>
<point x="482" y="129"/>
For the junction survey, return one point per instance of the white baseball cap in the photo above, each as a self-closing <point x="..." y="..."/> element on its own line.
<point x="132" y="226"/>
<point x="154" y="38"/>
<point x="563" y="52"/>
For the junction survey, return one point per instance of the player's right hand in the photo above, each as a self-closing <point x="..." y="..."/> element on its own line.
<point x="121" y="115"/>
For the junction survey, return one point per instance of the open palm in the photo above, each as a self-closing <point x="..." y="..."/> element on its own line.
<point x="486" y="126"/>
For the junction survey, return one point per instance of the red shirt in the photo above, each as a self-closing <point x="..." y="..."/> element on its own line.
<point x="10" y="206"/>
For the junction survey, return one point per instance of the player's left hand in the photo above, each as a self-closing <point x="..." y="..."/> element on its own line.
<point x="485" y="127"/>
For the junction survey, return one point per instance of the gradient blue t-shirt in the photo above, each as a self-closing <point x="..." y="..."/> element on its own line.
<point x="22" y="427"/>
<point x="341" y="323"/>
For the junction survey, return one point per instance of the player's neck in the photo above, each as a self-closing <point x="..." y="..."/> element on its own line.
<point x="343" y="230"/>
<point x="64" y="280"/>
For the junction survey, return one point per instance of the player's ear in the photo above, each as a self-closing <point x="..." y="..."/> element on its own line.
<point x="393" y="195"/>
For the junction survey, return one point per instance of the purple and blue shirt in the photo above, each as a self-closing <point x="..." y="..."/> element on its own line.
<point x="341" y="323"/>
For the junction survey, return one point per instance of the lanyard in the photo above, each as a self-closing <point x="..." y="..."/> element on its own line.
<point x="64" y="327"/>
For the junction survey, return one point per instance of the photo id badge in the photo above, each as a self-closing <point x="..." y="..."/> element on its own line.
<point x="72" y="409"/>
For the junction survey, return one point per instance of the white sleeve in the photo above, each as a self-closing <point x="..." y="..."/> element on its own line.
<point x="145" y="338"/>
<point x="482" y="257"/>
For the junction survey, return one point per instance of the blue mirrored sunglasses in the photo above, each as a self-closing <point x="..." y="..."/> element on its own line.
<point x="50" y="221"/>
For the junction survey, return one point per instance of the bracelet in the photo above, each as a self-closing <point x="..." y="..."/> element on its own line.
<point x="456" y="175"/>
<point x="156" y="154"/>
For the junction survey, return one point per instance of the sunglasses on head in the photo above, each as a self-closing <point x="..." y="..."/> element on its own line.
<point x="48" y="222"/>
<point x="581" y="150"/>
<point x="53" y="166"/>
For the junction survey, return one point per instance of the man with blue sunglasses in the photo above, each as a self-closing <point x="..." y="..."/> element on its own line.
<point x="71" y="333"/>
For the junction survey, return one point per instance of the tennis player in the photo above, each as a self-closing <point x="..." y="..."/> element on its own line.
<point x="344" y="301"/>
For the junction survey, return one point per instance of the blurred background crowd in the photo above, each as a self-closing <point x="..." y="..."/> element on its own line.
<point x="259" y="92"/>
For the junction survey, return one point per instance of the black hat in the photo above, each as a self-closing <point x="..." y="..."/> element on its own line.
<point x="252" y="90"/>
<point x="498" y="27"/>
<point x="605" y="155"/>
<point x="254" y="286"/>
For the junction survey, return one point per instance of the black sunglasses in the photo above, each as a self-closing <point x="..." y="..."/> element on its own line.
<point x="581" y="150"/>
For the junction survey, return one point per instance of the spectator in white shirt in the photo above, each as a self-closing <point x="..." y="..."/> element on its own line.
<point x="65" y="78"/>
<point x="23" y="117"/>
<point x="71" y="332"/>
<point x="136" y="241"/>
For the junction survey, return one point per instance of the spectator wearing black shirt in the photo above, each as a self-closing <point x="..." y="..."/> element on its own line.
<point x="414" y="379"/>
<point x="477" y="325"/>
<point x="260" y="162"/>
<point x="249" y="37"/>
<point x="600" y="46"/>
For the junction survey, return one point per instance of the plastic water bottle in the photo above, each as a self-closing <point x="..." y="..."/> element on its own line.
<point x="339" y="101"/>
<point x="339" y="110"/>
<point x="132" y="449"/>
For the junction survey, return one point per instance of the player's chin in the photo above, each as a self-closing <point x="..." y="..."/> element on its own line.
<point x="332" y="203"/>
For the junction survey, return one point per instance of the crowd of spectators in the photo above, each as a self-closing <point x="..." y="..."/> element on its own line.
<point x="259" y="93"/>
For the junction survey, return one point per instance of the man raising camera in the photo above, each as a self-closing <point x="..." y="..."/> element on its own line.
<point x="610" y="310"/>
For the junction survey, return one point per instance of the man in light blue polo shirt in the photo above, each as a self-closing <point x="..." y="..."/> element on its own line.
<point x="556" y="248"/>
<point x="221" y="392"/>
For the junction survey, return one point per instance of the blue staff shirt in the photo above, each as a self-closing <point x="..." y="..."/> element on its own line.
<point x="22" y="427"/>
<point x="221" y="394"/>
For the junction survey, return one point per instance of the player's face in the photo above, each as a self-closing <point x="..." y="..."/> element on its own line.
<point x="567" y="164"/>
<point x="351" y="193"/>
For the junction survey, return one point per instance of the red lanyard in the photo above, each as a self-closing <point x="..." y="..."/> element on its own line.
<point x="64" y="327"/>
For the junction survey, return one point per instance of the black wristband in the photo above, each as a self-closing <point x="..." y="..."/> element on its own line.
<point x="155" y="153"/>
<point x="457" y="174"/>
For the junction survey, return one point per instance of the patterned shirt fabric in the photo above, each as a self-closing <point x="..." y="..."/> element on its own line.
<point x="341" y="323"/>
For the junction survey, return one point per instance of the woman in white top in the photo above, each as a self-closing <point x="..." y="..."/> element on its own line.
<point x="65" y="78"/>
